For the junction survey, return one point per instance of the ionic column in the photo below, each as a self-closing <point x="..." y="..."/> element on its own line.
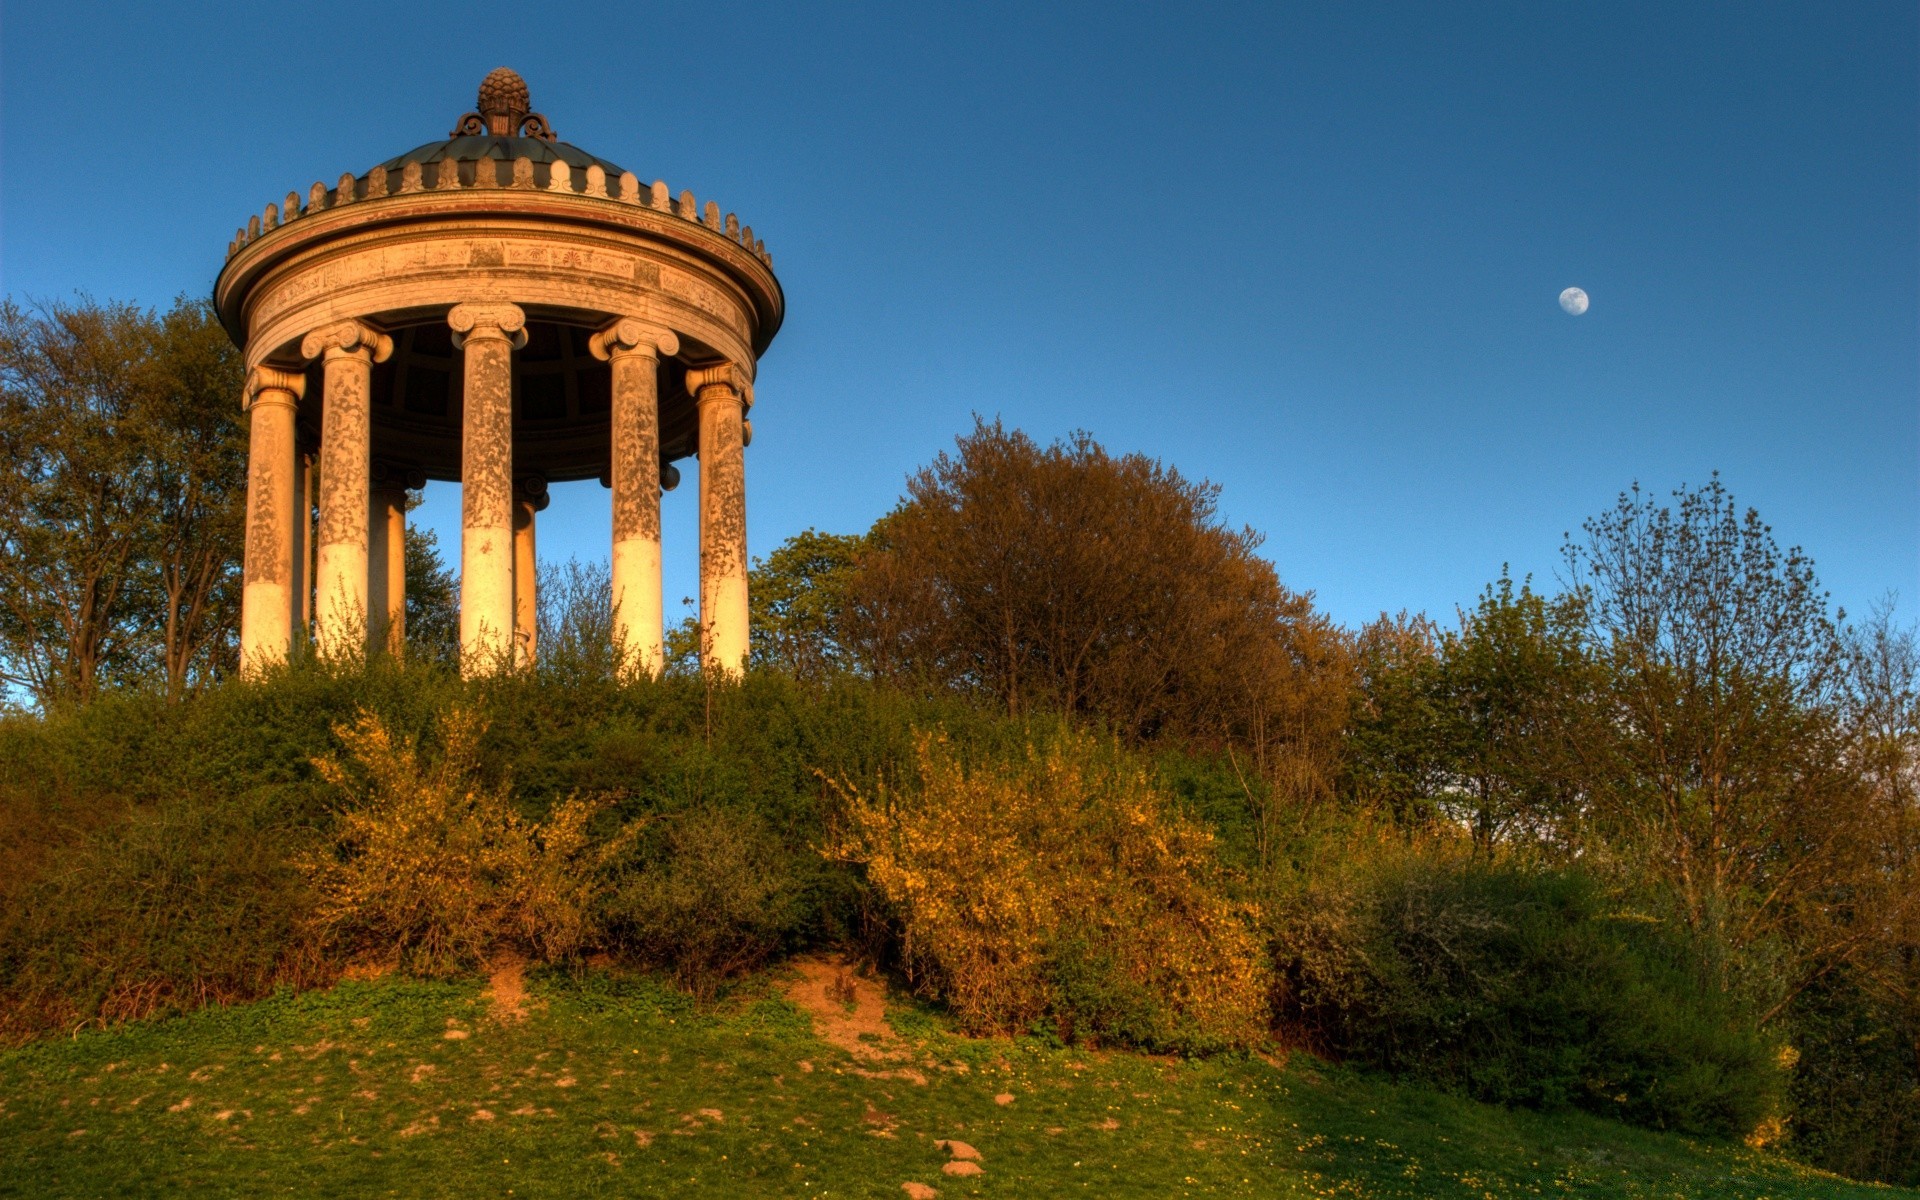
<point x="529" y="497"/>
<point x="303" y="543"/>
<point x="723" y="393"/>
<point x="341" y="613"/>
<point x="634" y="349"/>
<point x="269" y="599"/>
<point x="387" y="565"/>
<point x="487" y="334"/>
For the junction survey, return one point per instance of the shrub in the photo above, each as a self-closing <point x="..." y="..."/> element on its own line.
<point x="713" y="893"/>
<point x="436" y="867"/>
<point x="1060" y="890"/>
<point x="1518" y="986"/>
<point x="147" y="849"/>
<point x="173" y="905"/>
<point x="1855" y="1085"/>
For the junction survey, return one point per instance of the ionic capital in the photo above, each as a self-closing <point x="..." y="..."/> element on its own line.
<point x="484" y="321"/>
<point x="627" y="335"/>
<point x="347" y="338"/>
<point x="721" y="376"/>
<point x="273" y="385"/>
<point x="396" y="477"/>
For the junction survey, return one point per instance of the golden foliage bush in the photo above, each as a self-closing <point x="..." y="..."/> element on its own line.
<point x="434" y="865"/>
<point x="1062" y="891"/>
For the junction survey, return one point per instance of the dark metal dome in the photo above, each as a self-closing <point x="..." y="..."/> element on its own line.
<point x="479" y="147"/>
<point x="504" y="128"/>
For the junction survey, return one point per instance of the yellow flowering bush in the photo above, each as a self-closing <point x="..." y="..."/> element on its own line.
<point x="1060" y="891"/>
<point x="433" y="865"/>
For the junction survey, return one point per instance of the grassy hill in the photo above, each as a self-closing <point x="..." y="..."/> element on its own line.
<point x="796" y="1086"/>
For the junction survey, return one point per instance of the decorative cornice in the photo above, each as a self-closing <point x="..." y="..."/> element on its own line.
<point x="345" y="338"/>
<point x="488" y="319"/>
<point x="290" y="383"/>
<point x="630" y="336"/>
<point x="592" y="183"/>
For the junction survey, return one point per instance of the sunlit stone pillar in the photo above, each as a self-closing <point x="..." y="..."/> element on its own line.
<point x="387" y="565"/>
<point x="528" y="499"/>
<point x="487" y="334"/>
<point x="633" y="350"/>
<point x="269" y="599"/>
<point x="348" y="349"/>
<point x="723" y="394"/>
<point x="303" y="544"/>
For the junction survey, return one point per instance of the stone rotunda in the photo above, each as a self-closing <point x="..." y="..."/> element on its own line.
<point x="503" y="309"/>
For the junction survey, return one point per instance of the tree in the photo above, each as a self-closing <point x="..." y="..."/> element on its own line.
<point x="1392" y="758"/>
<point x="799" y="600"/>
<point x="433" y="599"/>
<point x="1070" y="579"/>
<point x="1729" y="772"/>
<point x="1490" y="724"/>
<point x="1886" y="711"/>
<point x="123" y="495"/>
<point x="196" y="470"/>
<point x="575" y="619"/>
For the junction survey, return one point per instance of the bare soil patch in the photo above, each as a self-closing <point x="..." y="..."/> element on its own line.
<point x="507" y="988"/>
<point x="848" y="1010"/>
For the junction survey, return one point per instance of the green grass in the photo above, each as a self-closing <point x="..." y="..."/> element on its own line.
<point x="620" y="1088"/>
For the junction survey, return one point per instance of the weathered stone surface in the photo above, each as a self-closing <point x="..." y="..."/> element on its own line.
<point x="486" y="334"/>
<point x="268" y="574"/>
<point x="400" y="247"/>
<point x="722" y="393"/>
<point x="387" y="567"/>
<point x="526" y="583"/>
<point x="634" y="348"/>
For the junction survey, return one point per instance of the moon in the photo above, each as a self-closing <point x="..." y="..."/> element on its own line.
<point x="1574" y="301"/>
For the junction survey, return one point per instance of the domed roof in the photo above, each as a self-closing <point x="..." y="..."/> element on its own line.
<point x="502" y="149"/>
<point x="504" y="128"/>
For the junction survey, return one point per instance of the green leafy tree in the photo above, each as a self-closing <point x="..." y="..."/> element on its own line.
<point x="433" y="599"/>
<point x="197" y="471"/>
<point x="799" y="599"/>
<point x="1488" y="724"/>
<point x="122" y="487"/>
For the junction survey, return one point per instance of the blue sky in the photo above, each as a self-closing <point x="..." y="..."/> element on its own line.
<point x="1309" y="252"/>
